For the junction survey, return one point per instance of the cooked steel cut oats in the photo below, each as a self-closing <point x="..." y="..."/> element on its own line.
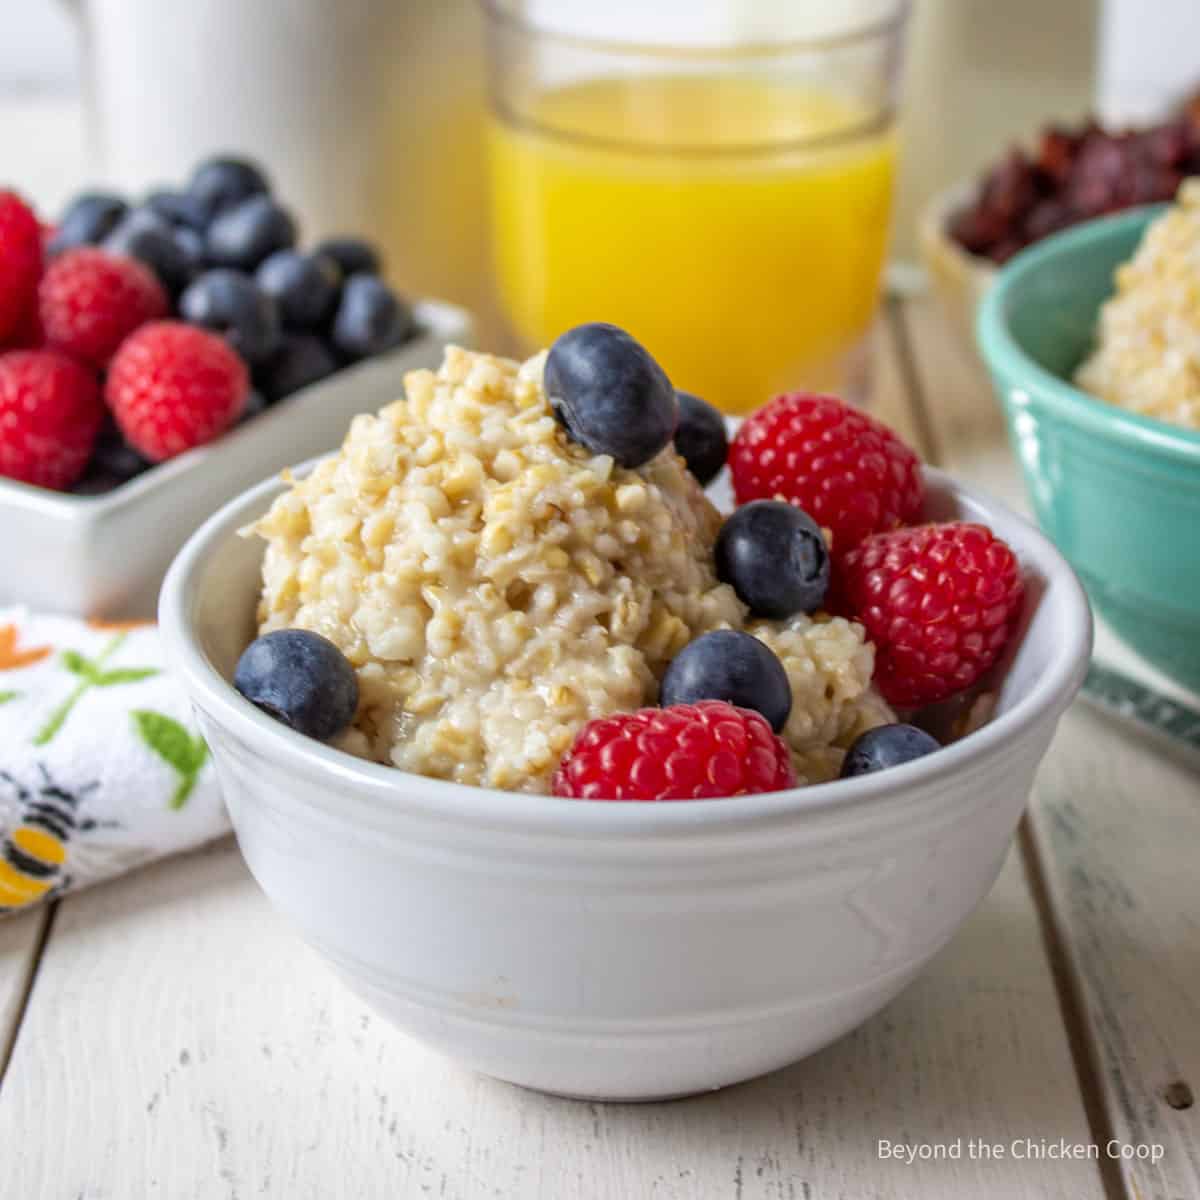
<point x="496" y="586"/>
<point x="1147" y="356"/>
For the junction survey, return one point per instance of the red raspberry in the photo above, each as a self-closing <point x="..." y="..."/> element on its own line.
<point x="91" y="301"/>
<point x="685" y="752"/>
<point x="50" y="413"/>
<point x="849" y="472"/>
<point x="173" y="386"/>
<point x="939" y="601"/>
<point x="27" y="333"/>
<point x="20" y="260"/>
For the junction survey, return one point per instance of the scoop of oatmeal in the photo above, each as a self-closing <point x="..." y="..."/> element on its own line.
<point x="496" y="586"/>
<point x="1147" y="355"/>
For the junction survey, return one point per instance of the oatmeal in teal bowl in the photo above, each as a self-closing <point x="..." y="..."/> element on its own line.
<point x="1117" y="489"/>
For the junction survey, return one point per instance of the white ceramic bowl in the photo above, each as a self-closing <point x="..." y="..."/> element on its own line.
<point x="621" y="950"/>
<point x="105" y="556"/>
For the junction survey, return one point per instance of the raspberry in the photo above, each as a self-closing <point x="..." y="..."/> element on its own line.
<point x="686" y="752"/>
<point x="850" y="473"/>
<point x="90" y="301"/>
<point x="20" y="260"/>
<point x="939" y="601"/>
<point x="50" y="413"/>
<point x="27" y="333"/>
<point x="172" y="386"/>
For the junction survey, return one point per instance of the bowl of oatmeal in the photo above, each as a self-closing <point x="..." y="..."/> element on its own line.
<point x="1092" y="339"/>
<point x="495" y="588"/>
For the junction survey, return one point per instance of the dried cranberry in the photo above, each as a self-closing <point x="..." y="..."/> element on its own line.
<point x="1076" y="174"/>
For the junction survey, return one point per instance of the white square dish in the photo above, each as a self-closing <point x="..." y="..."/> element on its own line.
<point x="105" y="555"/>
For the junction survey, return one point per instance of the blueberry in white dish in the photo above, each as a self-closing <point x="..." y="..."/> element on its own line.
<point x="256" y="404"/>
<point x="370" y="319"/>
<point x="609" y="394"/>
<point x="88" y="219"/>
<point x="242" y="236"/>
<point x="351" y="255"/>
<point x="232" y="304"/>
<point x="303" y="286"/>
<point x="148" y="237"/>
<point x="731" y="666"/>
<point x="220" y="183"/>
<point x="300" y="359"/>
<point x="701" y="438"/>
<point x="181" y="209"/>
<point x="301" y="679"/>
<point x="191" y="242"/>
<point x="773" y="554"/>
<point x="887" y="746"/>
<point x="113" y="462"/>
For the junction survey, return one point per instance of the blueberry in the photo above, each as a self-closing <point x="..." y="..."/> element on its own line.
<point x="609" y="394"/>
<point x="89" y="218"/>
<point x="244" y="235"/>
<point x="139" y="218"/>
<point x="774" y="556"/>
<point x="220" y="183"/>
<point x="352" y="255"/>
<point x="305" y="286"/>
<point x="144" y="235"/>
<point x="114" y="462"/>
<point x="95" y="482"/>
<point x="730" y="666"/>
<point x="256" y="405"/>
<point x="115" y="456"/>
<point x="300" y="679"/>
<point x="300" y="360"/>
<point x="191" y="242"/>
<point x="370" y="318"/>
<point x="886" y="746"/>
<point x="701" y="438"/>
<point x="179" y="208"/>
<point x="232" y="304"/>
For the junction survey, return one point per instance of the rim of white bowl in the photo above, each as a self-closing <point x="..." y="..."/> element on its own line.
<point x="444" y="800"/>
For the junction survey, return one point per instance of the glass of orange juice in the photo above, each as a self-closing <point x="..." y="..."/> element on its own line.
<point x="720" y="190"/>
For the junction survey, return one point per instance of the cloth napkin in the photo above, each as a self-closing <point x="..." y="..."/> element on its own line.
<point x="101" y="768"/>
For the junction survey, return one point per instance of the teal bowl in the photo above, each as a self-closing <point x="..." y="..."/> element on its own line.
<point x="1118" y="493"/>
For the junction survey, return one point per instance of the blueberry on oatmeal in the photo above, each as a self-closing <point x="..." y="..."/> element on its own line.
<point x="887" y="746"/>
<point x="731" y="666"/>
<point x="700" y="438"/>
<point x="301" y="679"/>
<point x="610" y="395"/>
<point x="774" y="556"/>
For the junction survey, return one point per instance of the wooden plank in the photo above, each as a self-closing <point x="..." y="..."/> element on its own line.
<point x="21" y="939"/>
<point x="1113" y="831"/>
<point x="181" y="1042"/>
<point x="891" y="397"/>
<point x="1116" y="829"/>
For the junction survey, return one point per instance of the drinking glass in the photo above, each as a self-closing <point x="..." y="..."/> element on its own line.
<point x="720" y="189"/>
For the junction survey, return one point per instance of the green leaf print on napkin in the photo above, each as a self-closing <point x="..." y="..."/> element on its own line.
<point x="5" y="697"/>
<point x="91" y="674"/>
<point x="176" y="747"/>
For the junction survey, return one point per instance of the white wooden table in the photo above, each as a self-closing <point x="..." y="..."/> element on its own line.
<point x="166" y="1036"/>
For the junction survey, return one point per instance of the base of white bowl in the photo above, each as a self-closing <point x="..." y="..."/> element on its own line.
<point x="637" y="1063"/>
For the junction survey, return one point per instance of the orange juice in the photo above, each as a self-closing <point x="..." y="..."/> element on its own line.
<point x="734" y="225"/>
